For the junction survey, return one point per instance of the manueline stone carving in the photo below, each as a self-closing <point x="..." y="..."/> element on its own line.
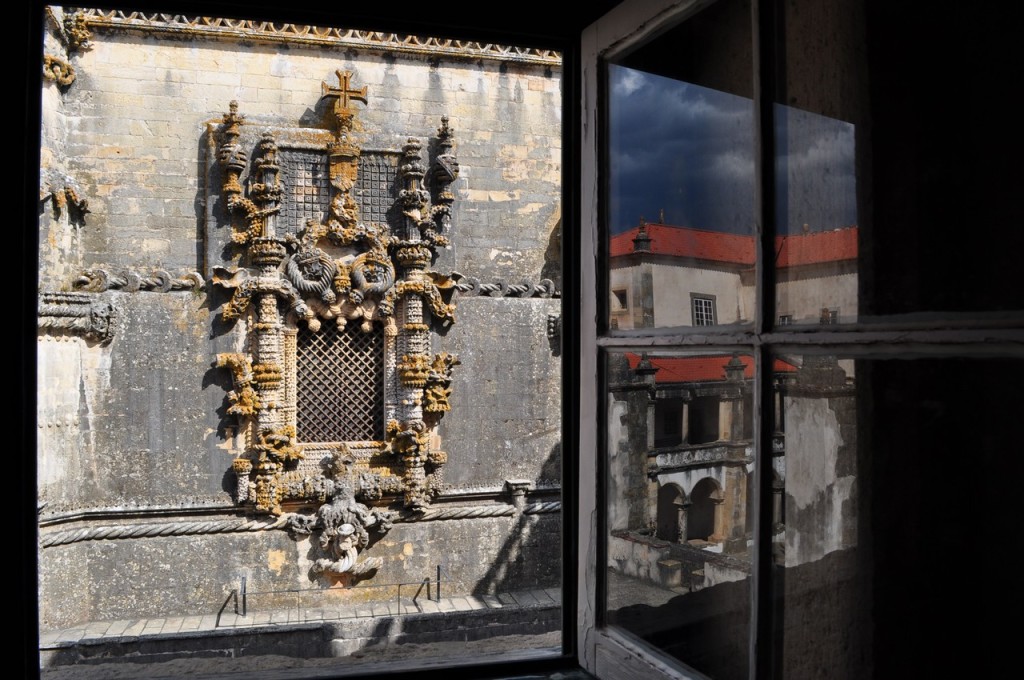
<point x="81" y="314"/>
<point x="58" y="70"/>
<point x="341" y="276"/>
<point x="339" y="39"/>
<point x="99" y="280"/>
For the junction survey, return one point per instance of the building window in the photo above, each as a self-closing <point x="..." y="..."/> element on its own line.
<point x="785" y="319"/>
<point x="620" y="300"/>
<point x="703" y="309"/>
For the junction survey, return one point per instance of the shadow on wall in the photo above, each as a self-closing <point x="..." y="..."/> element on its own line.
<point x="552" y="268"/>
<point x="531" y="556"/>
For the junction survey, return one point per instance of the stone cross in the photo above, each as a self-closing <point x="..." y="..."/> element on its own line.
<point x="345" y="93"/>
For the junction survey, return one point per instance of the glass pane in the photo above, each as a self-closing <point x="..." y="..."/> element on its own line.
<point x="816" y="243"/>
<point x="680" y="201"/>
<point x="882" y="469"/>
<point x="886" y="182"/>
<point x="299" y="360"/>
<point x="680" y="464"/>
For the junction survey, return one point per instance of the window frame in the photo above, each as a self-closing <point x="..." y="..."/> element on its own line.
<point x="695" y="301"/>
<point x="598" y="649"/>
<point x="607" y="651"/>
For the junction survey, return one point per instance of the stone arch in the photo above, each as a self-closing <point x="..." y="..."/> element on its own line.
<point x="671" y="513"/>
<point x="702" y="520"/>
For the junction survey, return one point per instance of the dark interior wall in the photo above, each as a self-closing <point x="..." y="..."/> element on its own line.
<point x="946" y="218"/>
<point x="942" y="473"/>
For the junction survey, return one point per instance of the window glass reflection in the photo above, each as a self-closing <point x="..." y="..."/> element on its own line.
<point x="815" y="254"/>
<point x="680" y="513"/>
<point x="681" y="176"/>
<point x="871" y="459"/>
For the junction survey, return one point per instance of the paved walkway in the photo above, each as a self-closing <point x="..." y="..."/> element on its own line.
<point x="229" y="620"/>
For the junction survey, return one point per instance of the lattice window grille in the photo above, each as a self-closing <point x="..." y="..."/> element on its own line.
<point x="375" y="189"/>
<point x="340" y="386"/>
<point x="307" y="188"/>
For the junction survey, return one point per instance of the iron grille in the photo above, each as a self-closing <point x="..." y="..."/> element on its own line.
<point x="340" y="385"/>
<point x="307" y="193"/>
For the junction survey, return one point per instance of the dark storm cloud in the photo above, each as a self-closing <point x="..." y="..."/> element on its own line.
<point x="815" y="171"/>
<point x="688" y="151"/>
<point x="680" y="148"/>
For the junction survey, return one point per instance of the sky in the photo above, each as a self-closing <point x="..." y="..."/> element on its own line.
<point x="688" y="150"/>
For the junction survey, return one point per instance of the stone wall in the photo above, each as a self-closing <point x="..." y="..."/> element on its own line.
<point x="136" y="447"/>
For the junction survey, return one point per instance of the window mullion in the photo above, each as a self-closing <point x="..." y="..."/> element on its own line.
<point x="763" y="16"/>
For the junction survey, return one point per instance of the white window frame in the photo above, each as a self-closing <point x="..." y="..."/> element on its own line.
<point x="703" y="309"/>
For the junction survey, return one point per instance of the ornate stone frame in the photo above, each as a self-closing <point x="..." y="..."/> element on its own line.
<point x="335" y="271"/>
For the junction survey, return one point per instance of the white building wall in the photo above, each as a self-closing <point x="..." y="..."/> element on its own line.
<point x="673" y="285"/>
<point x="803" y="298"/>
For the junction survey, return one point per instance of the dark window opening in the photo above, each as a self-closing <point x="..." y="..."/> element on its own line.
<point x="703" y="420"/>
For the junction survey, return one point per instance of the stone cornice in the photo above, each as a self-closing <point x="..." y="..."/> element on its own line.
<point x="274" y="32"/>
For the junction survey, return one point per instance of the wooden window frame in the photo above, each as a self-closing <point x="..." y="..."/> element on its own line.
<point x="607" y="651"/>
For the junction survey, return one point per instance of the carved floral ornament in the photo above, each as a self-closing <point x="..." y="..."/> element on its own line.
<point x="337" y="274"/>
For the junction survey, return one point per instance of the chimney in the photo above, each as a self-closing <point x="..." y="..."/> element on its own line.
<point x="642" y="242"/>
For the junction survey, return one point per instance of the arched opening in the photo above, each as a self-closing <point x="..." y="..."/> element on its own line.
<point x="671" y="518"/>
<point x="700" y="519"/>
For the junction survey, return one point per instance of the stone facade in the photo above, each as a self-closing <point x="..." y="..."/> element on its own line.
<point x="143" y="506"/>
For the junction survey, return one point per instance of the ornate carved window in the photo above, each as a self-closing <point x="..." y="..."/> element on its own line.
<point x="338" y="392"/>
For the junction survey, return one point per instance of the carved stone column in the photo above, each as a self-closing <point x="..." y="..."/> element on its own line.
<point x="682" y="508"/>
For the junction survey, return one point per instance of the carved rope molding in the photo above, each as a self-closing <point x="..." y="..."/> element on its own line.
<point x="76" y="314"/>
<point x="160" y="529"/>
<point x="98" y="280"/>
<point x="472" y="287"/>
<point x="58" y="70"/>
<point x="266" y="31"/>
<point x="227" y="526"/>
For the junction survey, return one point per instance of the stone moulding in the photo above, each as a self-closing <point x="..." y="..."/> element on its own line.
<point x="335" y="308"/>
<point x="266" y="31"/>
<point x="154" y="529"/>
<point x="129" y="281"/>
<point x="472" y="287"/>
<point x="336" y="533"/>
<point x="62" y="313"/>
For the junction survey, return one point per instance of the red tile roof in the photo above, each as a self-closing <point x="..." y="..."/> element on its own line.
<point x="701" y="369"/>
<point x="797" y="249"/>
<point x="686" y="242"/>
<point x="816" y="246"/>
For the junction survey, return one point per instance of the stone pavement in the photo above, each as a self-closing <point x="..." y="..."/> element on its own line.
<point x="414" y="628"/>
